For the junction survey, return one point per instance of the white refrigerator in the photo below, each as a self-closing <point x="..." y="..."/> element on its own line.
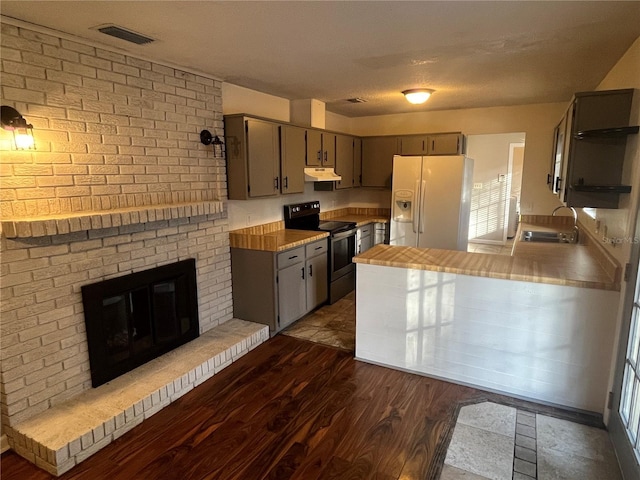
<point x="431" y="201"/>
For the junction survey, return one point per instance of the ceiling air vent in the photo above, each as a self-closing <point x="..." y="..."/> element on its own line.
<point x="125" y="35"/>
<point x="356" y="100"/>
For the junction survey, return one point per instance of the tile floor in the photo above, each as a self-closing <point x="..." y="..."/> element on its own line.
<point x="333" y="325"/>
<point x="492" y="441"/>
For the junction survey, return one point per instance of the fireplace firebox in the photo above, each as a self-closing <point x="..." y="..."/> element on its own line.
<point x="135" y="318"/>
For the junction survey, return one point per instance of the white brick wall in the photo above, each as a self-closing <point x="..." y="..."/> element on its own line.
<point x="107" y="126"/>
<point x="111" y="131"/>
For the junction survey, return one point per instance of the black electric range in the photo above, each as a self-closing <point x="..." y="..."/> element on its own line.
<point x="342" y="245"/>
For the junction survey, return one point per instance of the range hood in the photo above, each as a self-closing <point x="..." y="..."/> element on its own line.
<point x="320" y="175"/>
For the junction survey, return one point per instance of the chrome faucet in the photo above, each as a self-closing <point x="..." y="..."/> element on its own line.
<point x="575" y="214"/>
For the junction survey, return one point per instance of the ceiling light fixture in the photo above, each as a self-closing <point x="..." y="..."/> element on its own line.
<point x="417" y="95"/>
<point x="208" y="139"/>
<point x="11" y="120"/>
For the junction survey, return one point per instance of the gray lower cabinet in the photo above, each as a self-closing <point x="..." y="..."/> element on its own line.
<point x="381" y="233"/>
<point x="317" y="282"/>
<point x="292" y="293"/>
<point x="278" y="288"/>
<point x="364" y="238"/>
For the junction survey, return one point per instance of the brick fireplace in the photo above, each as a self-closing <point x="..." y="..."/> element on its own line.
<point x="119" y="183"/>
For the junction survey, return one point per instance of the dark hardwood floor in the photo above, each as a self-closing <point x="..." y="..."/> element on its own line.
<point x="289" y="409"/>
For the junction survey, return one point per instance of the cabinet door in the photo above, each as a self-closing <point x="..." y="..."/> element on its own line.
<point x="380" y="233"/>
<point x="377" y="160"/>
<point x="557" y="160"/>
<point x="292" y="301"/>
<point x="364" y="238"/>
<point x="344" y="161"/>
<point x="366" y="243"/>
<point x="263" y="158"/>
<point x="357" y="162"/>
<point x="329" y="150"/>
<point x="561" y="180"/>
<point x="413" y="144"/>
<point x="317" y="281"/>
<point x="292" y="159"/>
<point x="314" y="148"/>
<point x="445" y="144"/>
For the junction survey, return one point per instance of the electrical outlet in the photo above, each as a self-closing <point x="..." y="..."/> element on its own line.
<point x="477" y="186"/>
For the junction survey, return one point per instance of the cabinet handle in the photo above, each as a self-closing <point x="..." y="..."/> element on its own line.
<point x="276" y="183"/>
<point x="295" y="256"/>
<point x="433" y="145"/>
<point x="286" y="183"/>
<point x="558" y="183"/>
<point x="318" y="248"/>
<point x="326" y="156"/>
<point x="311" y="270"/>
<point x="320" y="155"/>
<point x="302" y="273"/>
<point x="548" y="178"/>
<point x="458" y="145"/>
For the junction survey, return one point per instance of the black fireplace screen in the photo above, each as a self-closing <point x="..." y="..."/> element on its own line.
<point x="135" y="318"/>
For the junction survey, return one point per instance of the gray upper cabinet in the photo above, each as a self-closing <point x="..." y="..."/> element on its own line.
<point x="597" y="127"/>
<point x="357" y="162"/>
<point x="314" y="148"/>
<point x="292" y="158"/>
<point x="432" y="144"/>
<point x="263" y="156"/>
<point x="445" y="144"/>
<point x="344" y="161"/>
<point x="413" y="144"/>
<point x="377" y="160"/>
<point x="321" y="148"/>
<point x="253" y="158"/>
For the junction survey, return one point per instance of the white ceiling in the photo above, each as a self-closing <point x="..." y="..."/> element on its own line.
<point x="474" y="54"/>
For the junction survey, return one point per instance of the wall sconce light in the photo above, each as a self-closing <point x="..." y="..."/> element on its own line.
<point x="207" y="139"/>
<point x="22" y="131"/>
<point x="417" y="95"/>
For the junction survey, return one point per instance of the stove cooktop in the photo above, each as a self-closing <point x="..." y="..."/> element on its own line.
<point x="336" y="226"/>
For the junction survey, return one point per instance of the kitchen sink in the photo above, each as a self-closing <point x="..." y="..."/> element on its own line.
<point x="570" y="236"/>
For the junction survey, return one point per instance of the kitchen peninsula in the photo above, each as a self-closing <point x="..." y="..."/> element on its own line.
<point x="532" y="325"/>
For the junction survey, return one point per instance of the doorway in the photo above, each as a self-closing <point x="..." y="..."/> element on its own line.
<point x="497" y="178"/>
<point x="624" y="424"/>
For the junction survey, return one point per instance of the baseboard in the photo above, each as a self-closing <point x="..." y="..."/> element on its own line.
<point x="4" y="443"/>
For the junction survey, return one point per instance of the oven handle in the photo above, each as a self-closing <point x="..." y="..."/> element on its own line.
<point x="341" y="235"/>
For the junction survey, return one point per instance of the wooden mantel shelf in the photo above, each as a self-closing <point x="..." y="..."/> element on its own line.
<point x="75" y="222"/>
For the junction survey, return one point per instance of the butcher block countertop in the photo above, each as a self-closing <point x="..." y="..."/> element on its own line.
<point x="577" y="265"/>
<point x="273" y="237"/>
<point x="361" y="220"/>
<point x="275" y="241"/>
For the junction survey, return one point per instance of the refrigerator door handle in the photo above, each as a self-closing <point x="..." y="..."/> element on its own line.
<point x="414" y="207"/>
<point x="421" y="206"/>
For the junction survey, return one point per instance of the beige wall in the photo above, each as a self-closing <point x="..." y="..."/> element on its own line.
<point x="237" y="99"/>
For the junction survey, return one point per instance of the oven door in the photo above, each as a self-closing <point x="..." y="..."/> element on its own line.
<point x="343" y="249"/>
